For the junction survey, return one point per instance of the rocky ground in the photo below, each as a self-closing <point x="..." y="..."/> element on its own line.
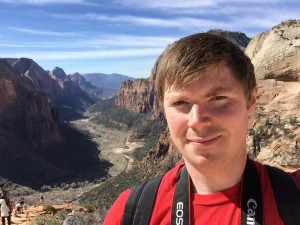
<point x="114" y="146"/>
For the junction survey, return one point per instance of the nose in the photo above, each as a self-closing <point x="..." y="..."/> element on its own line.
<point x="198" y="116"/>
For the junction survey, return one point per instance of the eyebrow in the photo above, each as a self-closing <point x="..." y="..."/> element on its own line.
<point x="219" y="89"/>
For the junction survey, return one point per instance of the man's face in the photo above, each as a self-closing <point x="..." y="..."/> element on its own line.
<point x="208" y="120"/>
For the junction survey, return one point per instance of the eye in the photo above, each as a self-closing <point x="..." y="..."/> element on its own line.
<point x="219" y="97"/>
<point x="179" y="103"/>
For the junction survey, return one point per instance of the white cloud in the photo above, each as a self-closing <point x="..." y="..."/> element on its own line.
<point x="191" y="4"/>
<point x="185" y="23"/>
<point x="44" y="32"/>
<point x="166" y="3"/>
<point x="101" y="42"/>
<point x="44" y="2"/>
<point x="68" y="55"/>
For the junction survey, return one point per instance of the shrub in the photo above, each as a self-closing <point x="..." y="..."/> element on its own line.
<point x="45" y="219"/>
<point x="90" y="208"/>
<point x="49" y="209"/>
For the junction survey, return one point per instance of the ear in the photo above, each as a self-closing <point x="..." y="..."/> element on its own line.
<point x="252" y="102"/>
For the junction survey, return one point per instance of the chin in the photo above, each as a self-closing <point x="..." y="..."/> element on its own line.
<point x="205" y="159"/>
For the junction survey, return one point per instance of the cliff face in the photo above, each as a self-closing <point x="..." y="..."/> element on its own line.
<point x="38" y="76"/>
<point x="36" y="146"/>
<point x="95" y="92"/>
<point x="66" y="95"/>
<point x="137" y="95"/>
<point x="275" y="55"/>
<point x="25" y="111"/>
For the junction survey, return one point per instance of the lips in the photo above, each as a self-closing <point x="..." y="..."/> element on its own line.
<point x="204" y="141"/>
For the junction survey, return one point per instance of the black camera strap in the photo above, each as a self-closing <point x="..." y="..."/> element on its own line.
<point x="251" y="198"/>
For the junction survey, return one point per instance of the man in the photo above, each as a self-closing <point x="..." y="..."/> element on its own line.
<point x="207" y="89"/>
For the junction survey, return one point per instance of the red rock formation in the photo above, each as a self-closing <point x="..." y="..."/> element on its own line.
<point x="25" y="111"/>
<point x="137" y="95"/>
<point x="275" y="56"/>
<point x="140" y="95"/>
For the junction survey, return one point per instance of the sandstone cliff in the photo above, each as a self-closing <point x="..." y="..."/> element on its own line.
<point x="275" y="55"/>
<point x="36" y="146"/>
<point x="137" y="95"/>
<point x="39" y="77"/>
<point x="66" y="95"/>
<point x="14" y="97"/>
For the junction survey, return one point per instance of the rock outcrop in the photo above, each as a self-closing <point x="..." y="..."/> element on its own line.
<point x="238" y="38"/>
<point x="67" y="96"/>
<point x="275" y="55"/>
<point x="36" y="145"/>
<point x="37" y="119"/>
<point x="86" y="85"/>
<point x="137" y="95"/>
<point x="38" y="76"/>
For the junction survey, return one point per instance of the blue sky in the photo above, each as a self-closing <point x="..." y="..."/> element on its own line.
<point x="123" y="36"/>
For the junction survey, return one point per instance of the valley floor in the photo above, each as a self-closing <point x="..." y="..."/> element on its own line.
<point x="114" y="147"/>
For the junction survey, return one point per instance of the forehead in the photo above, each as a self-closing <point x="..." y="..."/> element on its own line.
<point x="215" y="78"/>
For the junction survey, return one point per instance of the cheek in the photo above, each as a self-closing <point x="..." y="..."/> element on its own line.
<point x="175" y="123"/>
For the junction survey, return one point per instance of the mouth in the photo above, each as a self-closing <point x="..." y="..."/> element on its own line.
<point x="204" y="141"/>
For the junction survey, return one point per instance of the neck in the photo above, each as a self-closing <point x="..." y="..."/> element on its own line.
<point x="216" y="178"/>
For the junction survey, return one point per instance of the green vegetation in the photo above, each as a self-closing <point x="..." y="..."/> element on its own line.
<point x="273" y="128"/>
<point x="46" y="219"/>
<point x="116" y="116"/>
<point x="141" y="125"/>
<point x="103" y="196"/>
<point x="49" y="209"/>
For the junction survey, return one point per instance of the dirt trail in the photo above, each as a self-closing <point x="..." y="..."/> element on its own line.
<point x="30" y="212"/>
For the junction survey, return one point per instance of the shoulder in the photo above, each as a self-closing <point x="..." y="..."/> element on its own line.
<point x="115" y="213"/>
<point x="296" y="177"/>
<point x="265" y="173"/>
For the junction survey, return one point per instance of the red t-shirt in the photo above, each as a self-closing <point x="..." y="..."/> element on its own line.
<point x="221" y="208"/>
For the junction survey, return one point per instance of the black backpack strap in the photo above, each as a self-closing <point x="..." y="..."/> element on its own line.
<point x="138" y="207"/>
<point x="286" y="194"/>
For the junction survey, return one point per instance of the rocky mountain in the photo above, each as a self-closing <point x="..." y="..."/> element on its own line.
<point x="59" y="75"/>
<point x="73" y="100"/>
<point x="109" y="84"/>
<point x="87" y="86"/>
<point x="36" y="145"/>
<point x="275" y="55"/>
<point x="238" y="38"/>
<point x="137" y="95"/>
<point x="67" y="96"/>
<point x="38" y="76"/>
